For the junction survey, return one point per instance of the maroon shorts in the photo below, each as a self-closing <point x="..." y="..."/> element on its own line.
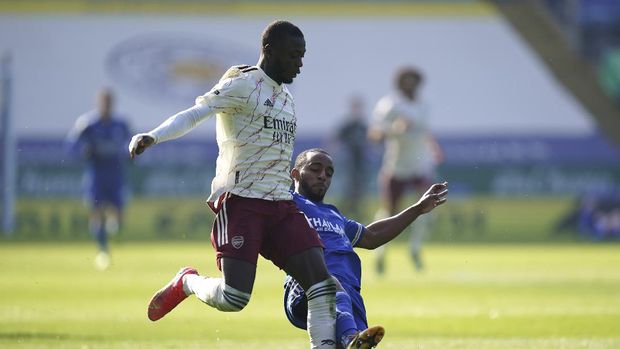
<point x="245" y="227"/>
<point x="393" y="188"/>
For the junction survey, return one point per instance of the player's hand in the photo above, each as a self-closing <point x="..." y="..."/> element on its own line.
<point x="375" y="134"/>
<point x="400" y="126"/>
<point x="436" y="195"/>
<point x="139" y="143"/>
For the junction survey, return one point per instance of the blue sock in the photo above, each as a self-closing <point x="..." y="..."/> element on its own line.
<point x="345" y="324"/>
<point x="102" y="238"/>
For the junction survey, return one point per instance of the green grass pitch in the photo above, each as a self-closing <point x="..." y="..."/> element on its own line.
<point x="471" y="296"/>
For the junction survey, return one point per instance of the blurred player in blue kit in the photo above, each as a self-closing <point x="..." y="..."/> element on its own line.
<point x="100" y="137"/>
<point x="312" y="175"/>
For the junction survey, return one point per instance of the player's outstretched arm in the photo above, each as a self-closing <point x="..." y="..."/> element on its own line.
<point x="139" y="143"/>
<point x="172" y="128"/>
<point x="382" y="231"/>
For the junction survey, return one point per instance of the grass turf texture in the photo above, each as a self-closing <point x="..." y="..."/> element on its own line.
<point x="471" y="296"/>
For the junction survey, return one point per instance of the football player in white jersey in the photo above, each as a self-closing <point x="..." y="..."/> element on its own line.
<point x="255" y="213"/>
<point x="411" y="154"/>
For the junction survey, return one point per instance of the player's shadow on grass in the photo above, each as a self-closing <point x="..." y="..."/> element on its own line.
<point x="35" y="335"/>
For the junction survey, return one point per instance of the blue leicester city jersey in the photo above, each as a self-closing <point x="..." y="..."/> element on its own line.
<point x="339" y="235"/>
<point x="104" y="144"/>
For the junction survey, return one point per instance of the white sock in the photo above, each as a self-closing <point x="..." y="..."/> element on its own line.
<point x="214" y="292"/>
<point x="322" y="314"/>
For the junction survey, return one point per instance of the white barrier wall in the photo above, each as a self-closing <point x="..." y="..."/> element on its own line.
<point x="481" y="78"/>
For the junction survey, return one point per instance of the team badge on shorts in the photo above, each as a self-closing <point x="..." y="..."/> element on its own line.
<point x="237" y="241"/>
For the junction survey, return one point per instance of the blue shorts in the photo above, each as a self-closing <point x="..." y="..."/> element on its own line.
<point x="100" y="194"/>
<point x="296" y="304"/>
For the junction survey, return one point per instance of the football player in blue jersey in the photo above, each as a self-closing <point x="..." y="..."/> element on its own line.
<point x="100" y="137"/>
<point x="312" y="175"/>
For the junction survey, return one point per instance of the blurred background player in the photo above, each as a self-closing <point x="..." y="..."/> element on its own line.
<point x="411" y="154"/>
<point x="352" y="136"/>
<point x="255" y="213"/>
<point x="100" y="137"/>
<point x="312" y="175"/>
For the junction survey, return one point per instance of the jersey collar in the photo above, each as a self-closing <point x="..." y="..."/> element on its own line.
<point x="270" y="80"/>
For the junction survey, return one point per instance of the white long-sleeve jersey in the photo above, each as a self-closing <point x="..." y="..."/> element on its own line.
<point x="255" y="130"/>
<point x="407" y="153"/>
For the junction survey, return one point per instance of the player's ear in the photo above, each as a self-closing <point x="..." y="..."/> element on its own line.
<point x="295" y="174"/>
<point x="267" y="50"/>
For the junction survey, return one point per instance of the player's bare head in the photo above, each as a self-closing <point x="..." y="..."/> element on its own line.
<point x="278" y="31"/>
<point x="283" y="48"/>
<point x="105" y="99"/>
<point x="313" y="173"/>
<point x="408" y="79"/>
<point x="303" y="159"/>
